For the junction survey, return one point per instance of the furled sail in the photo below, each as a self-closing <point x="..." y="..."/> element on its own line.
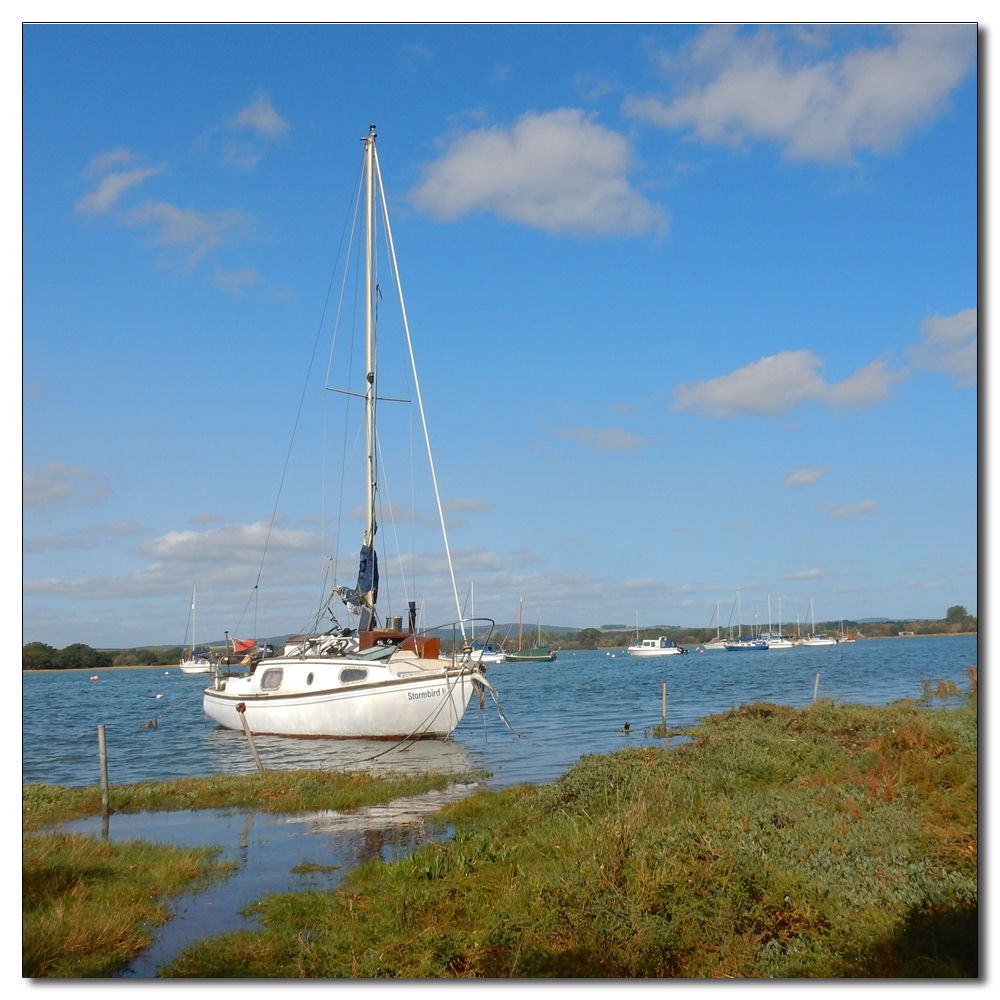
<point x="361" y="599"/>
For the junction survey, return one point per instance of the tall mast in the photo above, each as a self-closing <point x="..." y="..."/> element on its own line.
<point x="370" y="345"/>
<point x="520" y="622"/>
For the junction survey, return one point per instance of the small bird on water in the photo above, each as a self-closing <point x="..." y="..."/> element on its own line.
<point x="624" y="729"/>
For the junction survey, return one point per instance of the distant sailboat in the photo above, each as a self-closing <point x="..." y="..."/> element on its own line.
<point x="718" y="642"/>
<point x="536" y="654"/>
<point x="194" y="661"/>
<point x="776" y="640"/>
<point x="741" y="643"/>
<point x="814" y="639"/>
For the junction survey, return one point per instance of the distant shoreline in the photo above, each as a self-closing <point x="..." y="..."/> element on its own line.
<point x="166" y="667"/>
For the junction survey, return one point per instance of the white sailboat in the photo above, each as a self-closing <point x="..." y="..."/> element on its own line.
<point x="813" y="639"/>
<point x="364" y="682"/>
<point x="194" y="661"/>
<point x="718" y="642"/>
<point x="776" y="640"/>
<point x="743" y="643"/>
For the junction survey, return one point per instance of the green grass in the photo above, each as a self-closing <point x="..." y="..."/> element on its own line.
<point x="273" y="791"/>
<point x="88" y="905"/>
<point x="839" y="841"/>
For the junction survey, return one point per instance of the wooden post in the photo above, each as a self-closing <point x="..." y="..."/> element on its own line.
<point x="815" y="689"/>
<point x="241" y="708"/>
<point x="102" y="749"/>
<point x="664" y="704"/>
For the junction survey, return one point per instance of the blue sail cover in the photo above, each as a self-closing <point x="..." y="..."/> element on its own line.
<point x="367" y="588"/>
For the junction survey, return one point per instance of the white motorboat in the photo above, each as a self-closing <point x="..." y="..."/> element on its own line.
<point x="655" y="647"/>
<point x="366" y="682"/>
<point x="487" y="652"/>
<point x="194" y="661"/>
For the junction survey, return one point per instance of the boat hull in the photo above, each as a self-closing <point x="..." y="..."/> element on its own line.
<point x="426" y="704"/>
<point x="643" y="653"/>
<point x="194" y="667"/>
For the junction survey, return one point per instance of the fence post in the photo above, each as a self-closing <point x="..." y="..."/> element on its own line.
<point x="102" y="749"/>
<point x="815" y="689"/>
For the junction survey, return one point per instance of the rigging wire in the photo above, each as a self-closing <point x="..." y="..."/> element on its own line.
<point x="295" y="425"/>
<point x="416" y="385"/>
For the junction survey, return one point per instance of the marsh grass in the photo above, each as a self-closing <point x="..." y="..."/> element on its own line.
<point x="833" y="841"/>
<point x="273" y="791"/>
<point x="88" y="906"/>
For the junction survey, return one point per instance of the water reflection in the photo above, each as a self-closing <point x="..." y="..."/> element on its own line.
<point x="323" y="846"/>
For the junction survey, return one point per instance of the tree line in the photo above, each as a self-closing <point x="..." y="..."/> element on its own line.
<point x="79" y="656"/>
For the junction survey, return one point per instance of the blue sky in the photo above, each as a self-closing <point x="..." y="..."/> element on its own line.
<point x="693" y="309"/>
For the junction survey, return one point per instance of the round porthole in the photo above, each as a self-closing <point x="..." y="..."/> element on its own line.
<point x="309" y="679"/>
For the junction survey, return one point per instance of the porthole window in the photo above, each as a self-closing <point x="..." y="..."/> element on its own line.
<point x="309" y="679"/>
<point x="351" y="675"/>
<point x="271" y="680"/>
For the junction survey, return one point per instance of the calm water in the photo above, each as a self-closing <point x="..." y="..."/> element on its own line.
<point x="574" y="706"/>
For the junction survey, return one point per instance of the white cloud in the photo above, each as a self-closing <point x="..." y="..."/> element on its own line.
<point x="559" y="171"/>
<point x="235" y="542"/>
<point x="57" y="483"/>
<point x="260" y="116"/>
<point x="604" y="439"/>
<point x="806" y="477"/>
<point x="466" y="505"/>
<point x="866" y="387"/>
<point x="104" y="162"/>
<point x="111" y="188"/>
<point x="806" y="574"/>
<point x="775" y="384"/>
<point x="185" y="227"/>
<point x="950" y="345"/>
<point x="865" y="507"/>
<point x="763" y="85"/>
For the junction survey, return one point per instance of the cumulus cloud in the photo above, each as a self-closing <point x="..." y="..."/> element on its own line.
<point x="771" y="84"/>
<point x="806" y="574"/>
<point x="806" y="477"/>
<point x="558" y="171"/>
<point x="775" y="384"/>
<point x="949" y="345"/>
<point x="58" y="483"/>
<point x="233" y="542"/>
<point x="603" y="439"/>
<point x="855" y="510"/>
<point x="260" y="116"/>
<point x="189" y="229"/>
